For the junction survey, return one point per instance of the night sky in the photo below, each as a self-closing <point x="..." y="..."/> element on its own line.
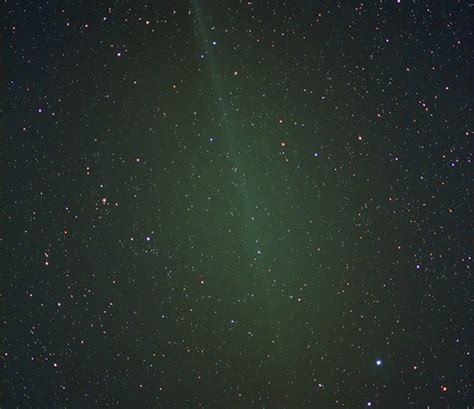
<point x="237" y="204"/>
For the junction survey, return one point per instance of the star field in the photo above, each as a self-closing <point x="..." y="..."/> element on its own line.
<point x="237" y="204"/>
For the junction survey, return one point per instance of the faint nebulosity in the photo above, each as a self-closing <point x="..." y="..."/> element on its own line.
<point x="237" y="204"/>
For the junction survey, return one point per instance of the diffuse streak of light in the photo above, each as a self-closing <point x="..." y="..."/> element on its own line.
<point x="228" y="126"/>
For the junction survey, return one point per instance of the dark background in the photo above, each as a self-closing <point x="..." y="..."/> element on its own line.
<point x="227" y="204"/>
